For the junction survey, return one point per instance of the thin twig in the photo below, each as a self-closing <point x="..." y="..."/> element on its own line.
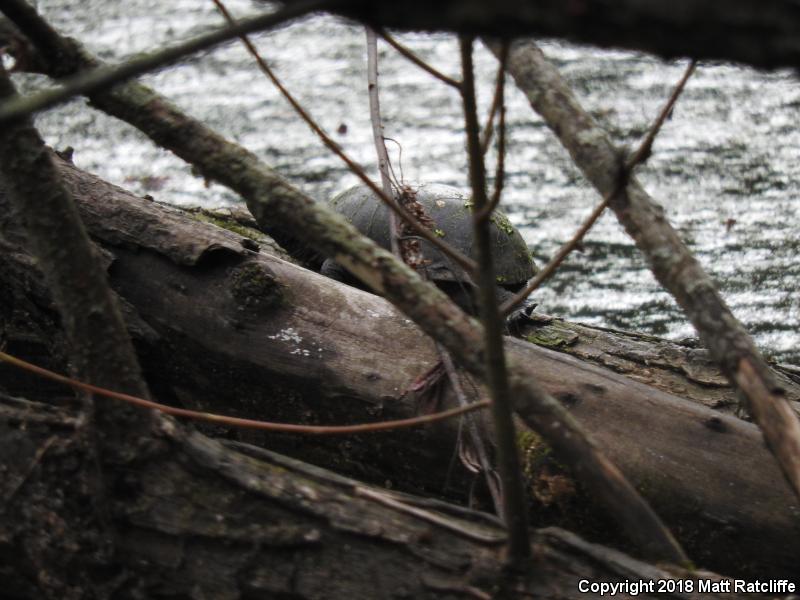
<point x="488" y="129"/>
<point x="104" y="77"/>
<point x="377" y="136"/>
<point x="239" y="422"/>
<point x="514" y="502"/>
<point x="418" y="61"/>
<point x="639" y="156"/>
<point x="500" y="100"/>
<point x="474" y="436"/>
<point x="397" y="182"/>
<point x="467" y="263"/>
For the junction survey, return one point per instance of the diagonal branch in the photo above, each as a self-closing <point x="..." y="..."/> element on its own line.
<point x="639" y="156"/>
<point x="670" y="260"/>
<point x="95" y="77"/>
<point x="405" y="52"/>
<point x="238" y="421"/>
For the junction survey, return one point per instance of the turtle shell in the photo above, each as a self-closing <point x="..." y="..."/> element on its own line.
<point x="450" y="209"/>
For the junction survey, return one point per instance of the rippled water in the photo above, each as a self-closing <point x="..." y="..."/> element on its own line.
<point x="725" y="166"/>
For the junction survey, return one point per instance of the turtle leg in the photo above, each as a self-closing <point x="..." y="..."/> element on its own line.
<point x="519" y="316"/>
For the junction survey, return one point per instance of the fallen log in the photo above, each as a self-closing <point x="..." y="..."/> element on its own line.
<point x="208" y="521"/>
<point x="223" y="325"/>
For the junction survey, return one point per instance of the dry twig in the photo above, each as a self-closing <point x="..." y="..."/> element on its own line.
<point x="377" y="135"/>
<point x="499" y="103"/>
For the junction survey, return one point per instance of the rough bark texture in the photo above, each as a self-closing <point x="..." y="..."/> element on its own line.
<point x="203" y="521"/>
<point x="681" y="368"/>
<point x="222" y="327"/>
<point x="159" y="504"/>
<point x="100" y="349"/>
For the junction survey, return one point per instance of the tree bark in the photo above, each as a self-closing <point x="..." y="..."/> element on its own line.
<point x="222" y="327"/>
<point x="207" y="521"/>
<point x="761" y="33"/>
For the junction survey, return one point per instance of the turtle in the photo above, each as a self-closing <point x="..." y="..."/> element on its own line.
<point x="450" y="211"/>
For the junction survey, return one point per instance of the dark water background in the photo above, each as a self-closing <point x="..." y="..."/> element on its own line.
<point x="728" y="156"/>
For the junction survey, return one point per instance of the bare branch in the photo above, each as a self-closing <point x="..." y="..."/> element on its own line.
<point x="488" y="129"/>
<point x="670" y="260"/>
<point x="475" y="440"/>
<point x="377" y="136"/>
<point x="639" y="156"/>
<point x="499" y="103"/>
<point x="100" y="348"/>
<point x="272" y="199"/>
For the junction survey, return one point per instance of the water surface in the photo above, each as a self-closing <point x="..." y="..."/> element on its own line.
<point x="725" y="166"/>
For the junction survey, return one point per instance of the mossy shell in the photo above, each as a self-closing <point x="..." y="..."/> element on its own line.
<point x="451" y="211"/>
